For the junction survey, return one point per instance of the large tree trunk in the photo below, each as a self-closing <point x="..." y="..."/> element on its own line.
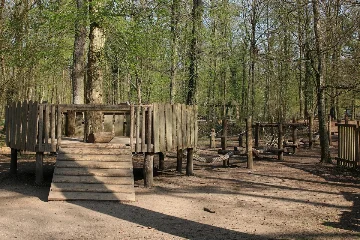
<point x="94" y="90"/>
<point x="320" y="84"/>
<point x="78" y="71"/>
<point x="194" y="51"/>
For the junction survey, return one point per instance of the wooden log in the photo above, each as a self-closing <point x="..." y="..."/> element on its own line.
<point x="280" y="142"/>
<point x="257" y="134"/>
<point x="58" y="129"/>
<point x="39" y="168"/>
<point x="311" y="127"/>
<point x="250" y="161"/>
<point x="70" y="123"/>
<point x="52" y="127"/>
<point x="132" y="127"/>
<point x="100" y="137"/>
<point x="224" y="134"/>
<point x="148" y="170"/>
<point x="13" y="161"/>
<point x="189" y="162"/>
<point x="212" y="138"/>
<point x="169" y="126"/>
<point x="161" y="161"/>
<point x="179" y="160"/>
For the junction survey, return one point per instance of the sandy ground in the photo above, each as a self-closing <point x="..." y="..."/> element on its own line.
<point x="294" y="199"/>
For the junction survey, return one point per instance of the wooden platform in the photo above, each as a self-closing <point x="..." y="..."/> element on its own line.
<point x="86" y="171"/>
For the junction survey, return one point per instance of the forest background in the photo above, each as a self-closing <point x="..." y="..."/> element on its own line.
<point x="272" y="60"/>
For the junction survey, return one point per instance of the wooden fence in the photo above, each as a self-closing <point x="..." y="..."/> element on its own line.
<point x="348" y="149"/>
<point x="35" y="127"/>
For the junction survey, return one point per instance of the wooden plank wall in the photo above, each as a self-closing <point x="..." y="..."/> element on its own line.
<point x="32" y="127"/>
<point x="348" y="148"/>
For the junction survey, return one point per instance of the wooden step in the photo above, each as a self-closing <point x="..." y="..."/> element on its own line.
<point x="93" y="172"/>
<point x="89" y="157"/>
<point x="94" y="151"/>
<point x="95" y="145"/>
<point x="61" y="196"/>
<point x="93" y="164"/>
<point x="86" y="187"/>
<point x="93" y="179"/>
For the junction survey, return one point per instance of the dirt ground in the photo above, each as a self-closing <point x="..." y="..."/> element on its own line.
<point x="293" y="199"/>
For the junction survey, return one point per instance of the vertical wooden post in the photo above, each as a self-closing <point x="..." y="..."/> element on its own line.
<point x="212" y="138"/>
<point x="189" y="162"/>
<point x="250" y="162"/>
<point x="294" y="131"/>
<point x="148" y="170"/>
<point x="161" y="160"/>
<point x="329" y="130"/>
<point x="13" y="163"/>
<point x="311" y="125"/>
<point x="179" y="160"/>
<point x="257" y="133"/>
<point x="70" y="123"/>
<point x="240" y="139"/>
<point x="39" y="167"/>
<point x="280" y="142"/>
<point x="224" y="134"/>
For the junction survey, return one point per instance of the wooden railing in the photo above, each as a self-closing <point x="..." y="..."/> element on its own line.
<point x="35" y="127"/>
<point x="348" y="149"/>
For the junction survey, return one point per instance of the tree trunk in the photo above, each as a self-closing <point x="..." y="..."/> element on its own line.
<point x="320" y="82"/>
<point x="94" y="90"/>
<point x="78" y="71"/>
<point x="174" y="36"/>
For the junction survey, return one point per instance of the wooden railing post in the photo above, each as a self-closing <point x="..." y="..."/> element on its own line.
<point x="148" y="170"/>
<point x="280" y="142"/>
<point x="250" y="163"/>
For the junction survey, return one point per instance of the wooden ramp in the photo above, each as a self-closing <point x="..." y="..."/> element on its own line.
<point x="84" y="171"/>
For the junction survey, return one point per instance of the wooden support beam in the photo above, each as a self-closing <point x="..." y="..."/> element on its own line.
<point x="148" y="170"/>
<point x="250" y="161"/>
<point x="212" y="138"/>
<point x="39" y="167"/>
<point x="13" y="161"/>
<point x="280" y="142"/>
<point x="189" y="162"/>
<point x="161" y="161"/>
<point x="179" y="160"/>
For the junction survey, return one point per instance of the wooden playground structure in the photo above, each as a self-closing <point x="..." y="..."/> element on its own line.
<point x="349" y="145"/>
<point x="101" y="171"/>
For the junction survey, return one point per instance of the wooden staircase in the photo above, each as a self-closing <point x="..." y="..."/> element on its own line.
<point x="87" y="171"/>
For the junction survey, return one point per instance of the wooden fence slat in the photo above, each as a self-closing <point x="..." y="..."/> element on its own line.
<point x="188" y="126"/>
<point x="179" y="126"/>
<point x="156" y="127"/>
<point x="169" y="127"/>
<point x="174" y="124"/>
<point x="7" y="126"/>
<point x="143" y="129"/>
<point x="59" y="126"/>
<point x="149" y="129"/>
<point x="162" y="132"/>
<point x="46" y="127"/>
<point x="132" y="125"/>
<point x="35" y="118"/>
<point x="30" y="127"/>
<point x="196" y="126"/>
<point x="13" y="125"/>
<point x="40" y="128"/>
<point x="52" y="127"/>
<point x="183" y="126"/>
<point x="18" y="125"/>
<point x="24" y="124"/>
<point x="137" y="131"/>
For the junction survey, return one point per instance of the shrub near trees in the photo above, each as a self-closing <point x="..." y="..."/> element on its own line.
<point x="271" y="60"/>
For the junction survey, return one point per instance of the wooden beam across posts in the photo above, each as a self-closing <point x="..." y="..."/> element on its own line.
<point x="179" y="160"/>
<point x="280" y="142"/>
<point x="39" y="167"/>
<point x="257" y="134"/>
<point x="224" y="134"/>
<point x="250" y="161"/>
<point x="148" y="170"/>
<point x="311" y="127"/>
<point x="13" y="161"/>
<point x="212" y="138"/>
<point x="189" y="162"/>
